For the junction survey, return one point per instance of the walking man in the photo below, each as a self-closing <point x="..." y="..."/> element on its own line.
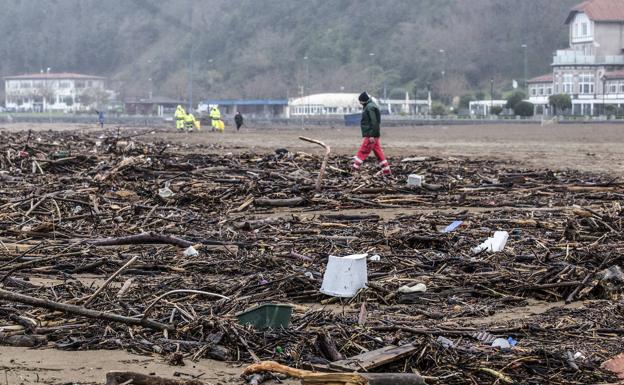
<point x="370" y="124"/>
<point x="238" y="119"/>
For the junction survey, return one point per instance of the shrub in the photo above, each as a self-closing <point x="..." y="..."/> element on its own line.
<point x="524" y="108"/>
<point x="438" y="110"/>
<point x="496" y="110"/>
<point x="515" y="98"/>
<point x="560" y="102"/>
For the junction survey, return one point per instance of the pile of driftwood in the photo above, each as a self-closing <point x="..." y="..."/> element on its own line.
<point x="118" y="242"/>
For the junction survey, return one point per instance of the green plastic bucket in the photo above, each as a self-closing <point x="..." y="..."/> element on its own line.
<point x="267" y="316"/>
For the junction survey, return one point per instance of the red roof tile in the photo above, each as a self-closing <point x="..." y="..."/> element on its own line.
<point x="62" y="75"/>
<point x="614" y="74"/>
<point x="599" y="10"/>
<point x="548" y="78"/>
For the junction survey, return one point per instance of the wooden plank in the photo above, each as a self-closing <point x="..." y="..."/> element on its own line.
<point x="375" y="358"/>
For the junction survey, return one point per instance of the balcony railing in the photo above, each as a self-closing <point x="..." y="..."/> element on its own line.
<point x="570" y="57"/>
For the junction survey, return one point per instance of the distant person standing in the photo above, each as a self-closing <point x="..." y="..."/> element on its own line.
<point x="100" y="118"/>
<point x="371" y="132"/>
<point x="238" y="119"/>
<point x="180" y="114"/>
<point x="215" y="117"/>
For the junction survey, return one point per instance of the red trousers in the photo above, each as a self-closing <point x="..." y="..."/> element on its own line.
<point x="366" y="149"/>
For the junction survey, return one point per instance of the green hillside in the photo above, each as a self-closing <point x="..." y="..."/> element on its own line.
<point x="256" y="48"/>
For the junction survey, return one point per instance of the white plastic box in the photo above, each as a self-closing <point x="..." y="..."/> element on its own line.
<point x="345" y="276"/>
<point x="414" y="180"/>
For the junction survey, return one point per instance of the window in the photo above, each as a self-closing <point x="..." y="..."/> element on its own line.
<point x="64" y="84"/>
<point x="533" y="91"/>
<point x="568" y="85"/>
<point x="540" y="91"/>
<point x="557" y="88"/>
<point x="612" y="89"/>
<point x="549" y="91"/>
<point x="80" y="84"/>
<point x="586" y="83"/>
<point x="584" y="29"/>
<point x="621" y="87"/>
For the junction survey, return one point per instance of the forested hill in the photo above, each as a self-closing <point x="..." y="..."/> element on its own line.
<point x="256" y="48"/>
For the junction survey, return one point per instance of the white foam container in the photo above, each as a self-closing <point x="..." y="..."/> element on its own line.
<point x="414" y="180"/>
<point x="345" y="276"/>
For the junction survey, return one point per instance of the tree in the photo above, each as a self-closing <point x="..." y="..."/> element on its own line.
<point x="560" y="103"/>
<point x="438" y="109"/>
<point x="464" y="101"/>
<point x="524" y="109"/>
<point x="515" y="98"/>
<point x="496" y="110"/>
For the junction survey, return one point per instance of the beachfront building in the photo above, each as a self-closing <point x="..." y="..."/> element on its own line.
<point x="591" y="69"/>
<point x="59" y="92"/>
<point x="332" y="104"/>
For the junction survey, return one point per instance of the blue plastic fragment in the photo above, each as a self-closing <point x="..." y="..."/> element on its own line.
<point x="511" y="341"/>
<point x="453" y="226"/>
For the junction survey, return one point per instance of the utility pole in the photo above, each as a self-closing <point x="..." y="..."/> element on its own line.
<point x="190" y="70"/>
<point x="491" y="95"/>
<point x="526" y="70"/>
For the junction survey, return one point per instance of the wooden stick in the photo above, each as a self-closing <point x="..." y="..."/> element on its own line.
<point x="319" y="181"/>
<point x="81" y="311"/>
<point x="279" y="202"/>
<point x="119" y="378"/>
<point x="150" y="306"/>
<point x="109" y="280"/>
<point x="145" y="238"/>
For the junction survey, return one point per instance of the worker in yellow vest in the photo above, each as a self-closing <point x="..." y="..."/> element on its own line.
<point x="215" y="117"/>
<point x="190" y="122"/>
<point x="180" y="114"/>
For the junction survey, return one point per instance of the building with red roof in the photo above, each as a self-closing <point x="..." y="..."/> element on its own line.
<point x="590" y="70"/>
<point x="61" y="92"/>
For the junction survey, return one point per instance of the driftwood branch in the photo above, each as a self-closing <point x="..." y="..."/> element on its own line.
<point x="81" y="311"/>
<point x="319" y="181"/>
<point x="291" y="202"/>
<point x="336" y="378"/>
<point x="140" y="239"/>
<point x="119" y="378"/>
<point x="148" y="309"/>
<point x="109" y="280"/>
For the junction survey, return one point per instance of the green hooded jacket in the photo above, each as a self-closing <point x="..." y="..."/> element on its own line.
<point x="371" y="120"/>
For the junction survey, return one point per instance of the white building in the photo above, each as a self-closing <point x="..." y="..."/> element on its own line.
<point x="590" y="70"/>
<point x="347" y="103"/>
<point x="62" y="92"/>
<point x="484" y="107"/>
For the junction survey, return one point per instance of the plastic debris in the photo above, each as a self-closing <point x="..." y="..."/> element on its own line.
<point x="191" y="252"/>
<point x="494" y="244"/>
<point x="419" y="288"/>
<point x="614" y="274"/>
<point x="512" y="342"/>
<point x="445" y="342"/>
<point x="165" y="192"/>
<point x="501" y="343"/>
<point x="414" y="180"/>
<point x="453" y="226"/>
<point x="375" y="258"/>
<point x="484" y="337"/>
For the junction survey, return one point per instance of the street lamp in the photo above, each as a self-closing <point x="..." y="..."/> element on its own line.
<point x="491" y="95"/>
<point x="443" y="88"/>
<point x="307" y="83"/>
<point x="371" y="55"/>
<point x="604" y="86"/>
<point x="526" y="65"/>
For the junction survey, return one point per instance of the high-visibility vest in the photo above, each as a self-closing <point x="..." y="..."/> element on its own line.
<point x="215" y="114"/>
